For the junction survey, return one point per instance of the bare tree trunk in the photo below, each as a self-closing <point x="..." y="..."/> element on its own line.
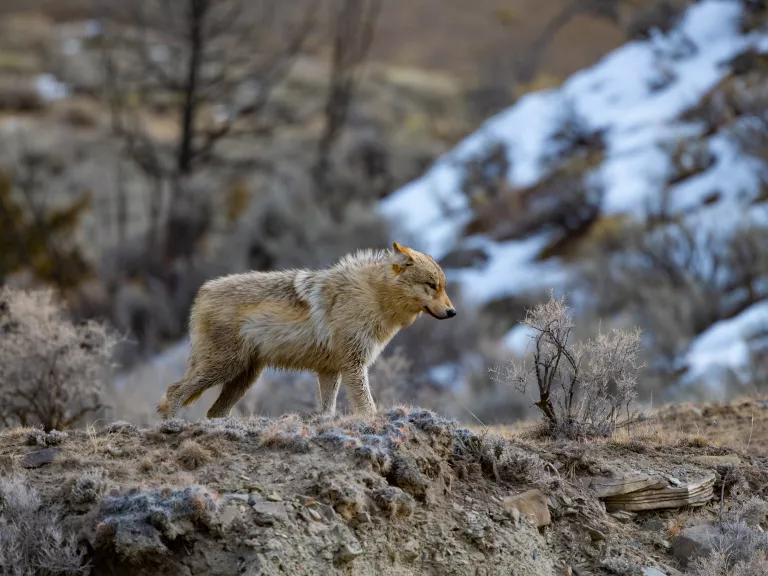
<point x="354" y="26"/>
<point x="121" y="205"/>
<point x="196" y="17"/>
<point x="155" y="215"/>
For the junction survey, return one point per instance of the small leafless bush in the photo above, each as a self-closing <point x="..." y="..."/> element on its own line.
<point x="741" y="546"/>
<point x="52" y="371"/>
<point x="584" y="388"/>
<point x="32" y="541"/>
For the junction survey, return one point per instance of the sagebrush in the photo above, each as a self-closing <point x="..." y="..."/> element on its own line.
<point x="32" y="539"/>
<point x="740" y="547"/>
<point x="52" y="371"/>
<point x="584" y="388"/>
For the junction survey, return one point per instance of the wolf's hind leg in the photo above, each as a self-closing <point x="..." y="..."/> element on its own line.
<point x="232" y="391"/>
<point x="356" y="381"/>
<point x="328" y="388"/>
<point x="169" y="405"/>
<point x="183" y="393"/>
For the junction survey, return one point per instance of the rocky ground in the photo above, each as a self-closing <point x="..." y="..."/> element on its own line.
<point x="406" y="493"/>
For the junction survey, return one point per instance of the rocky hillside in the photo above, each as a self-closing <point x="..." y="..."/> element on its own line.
<point x="630" y="186"/>
<point x="406" y="493"/>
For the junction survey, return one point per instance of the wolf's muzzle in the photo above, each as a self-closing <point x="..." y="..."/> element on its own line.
<point x="450" y="313"/>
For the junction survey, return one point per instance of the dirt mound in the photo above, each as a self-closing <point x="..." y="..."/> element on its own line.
<point x="406" y="493"/>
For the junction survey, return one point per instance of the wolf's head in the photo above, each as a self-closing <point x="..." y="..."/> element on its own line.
<point x="422" y="282"/>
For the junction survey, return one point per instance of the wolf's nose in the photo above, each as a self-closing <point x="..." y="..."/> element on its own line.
<point x="450" y="313"/>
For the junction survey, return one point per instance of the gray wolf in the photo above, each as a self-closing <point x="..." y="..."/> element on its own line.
<point x="334" y="322"/>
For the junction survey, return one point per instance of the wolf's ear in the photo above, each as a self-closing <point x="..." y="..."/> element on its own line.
<point x="404" y="250"/>
<point x="403" y="257"/>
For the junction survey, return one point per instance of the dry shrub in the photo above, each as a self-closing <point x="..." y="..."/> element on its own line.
<point x="741" y="545"/>
<point x="89" y="487"/>
<point x="584" y="389"/>
<point x="32" y="540"/>
<point x="498" y="458"/>
<point x="192" y="455"/>
<point x="52" y="371"/>
<point x="720" y="564"/>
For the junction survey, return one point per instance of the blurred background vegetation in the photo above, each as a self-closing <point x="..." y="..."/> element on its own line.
<point x="147" y="146"/>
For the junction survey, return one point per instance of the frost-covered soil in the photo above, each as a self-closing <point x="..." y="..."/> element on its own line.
<point x="638" y="98"/>
<point x="406" y="493"/>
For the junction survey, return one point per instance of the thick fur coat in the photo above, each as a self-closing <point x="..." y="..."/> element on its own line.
<point x="334" y="322"/>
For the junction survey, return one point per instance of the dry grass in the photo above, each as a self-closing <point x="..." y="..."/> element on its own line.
<point x="32" y="539"/>
<point x="191" y="455"/>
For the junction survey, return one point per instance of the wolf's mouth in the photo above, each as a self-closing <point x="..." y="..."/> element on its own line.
<point x="428" y="311"/>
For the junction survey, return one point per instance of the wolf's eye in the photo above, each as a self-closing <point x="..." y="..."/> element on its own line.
<point x="431" y="285"/>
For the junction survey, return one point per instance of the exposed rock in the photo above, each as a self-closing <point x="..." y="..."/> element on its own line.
<point x="531" y="504"/>
<point x="122" y="427"/>
<point x="394" y="502"/>
<point x="40" y="457"/>
<point x="139" y="523"/>
<point x="325" y="511"/>
<point x="267" y="513"/>
<point x="639" y="491"/>
<point x="718" y="461"/>
<point x="624" y="515"/>
<point x="346" y="499"/>
<point x="405" y="474"/>
<point x="347" y="552"/>
<point x="694" y="542"/>
<point x="656" y="498"/>
<point x="625" y="484"/>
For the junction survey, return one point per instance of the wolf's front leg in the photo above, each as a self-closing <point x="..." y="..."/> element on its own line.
<point x="356" y="381"/>
<point x="327" y="390"/>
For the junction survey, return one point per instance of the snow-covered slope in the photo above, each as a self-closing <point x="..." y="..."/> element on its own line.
<point x="635" y="98"/>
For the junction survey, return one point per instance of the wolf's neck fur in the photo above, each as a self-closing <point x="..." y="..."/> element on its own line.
<point x="375" y="269"/>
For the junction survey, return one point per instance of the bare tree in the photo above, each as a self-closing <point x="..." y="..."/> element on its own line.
<point x="583" y="389"/>
<point x="353" y="27"/>
<point x="210" y="64"/>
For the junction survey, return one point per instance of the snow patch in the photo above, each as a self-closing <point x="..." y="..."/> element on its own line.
<point x="631" y="96"/>
<point x="50" y="88"/>
<point x="519" y="340"/>
<point x="511" y="268"/>
<point x="725" y="345"/>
